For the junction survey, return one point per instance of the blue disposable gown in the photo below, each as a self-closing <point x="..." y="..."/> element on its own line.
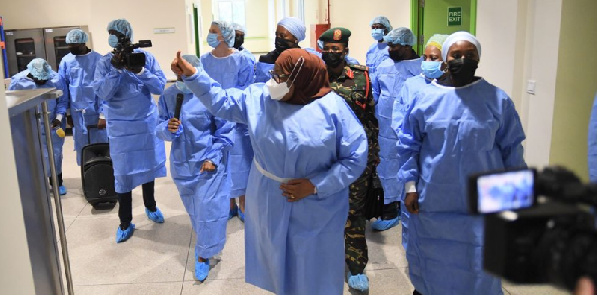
<point x="377" y="53"/>
<point x="204" y="195"/>
<point x="412" y="85"/>
<point x="131" y="117"/>
<point x="261" y="72"/>
<point x="447" y="135"/>
<point x="77" y="73"/>
<point x="592" y="144"/>
<point x="387" y="83"/>
<point x="293" y="247"/>
<point x="234" y="71"/>
<point x="249" y="55"/>
<point x="20" y="81"/>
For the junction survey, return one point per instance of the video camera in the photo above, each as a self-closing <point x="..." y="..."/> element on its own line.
<point x="130" y="59"/>
<point x="539" y="227"/>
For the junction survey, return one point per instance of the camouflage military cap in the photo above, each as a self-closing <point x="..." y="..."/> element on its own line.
<point x="337" y="34"/>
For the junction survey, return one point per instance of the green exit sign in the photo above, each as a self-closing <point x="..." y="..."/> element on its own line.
<point x="454" y="16"/>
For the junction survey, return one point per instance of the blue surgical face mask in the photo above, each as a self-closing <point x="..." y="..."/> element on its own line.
<point x="113" y="40"/>
<point x="182" y="87"/>
<point x="213" y="40"/>
<point x="377" y="34"/>
<point x="432" y="69"/>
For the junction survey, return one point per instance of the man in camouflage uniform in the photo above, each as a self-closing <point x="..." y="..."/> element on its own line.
<point x="351" y="81"/>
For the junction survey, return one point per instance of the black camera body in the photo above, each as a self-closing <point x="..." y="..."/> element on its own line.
<point x="129" y="58"/>
<point x="539" y="227"/>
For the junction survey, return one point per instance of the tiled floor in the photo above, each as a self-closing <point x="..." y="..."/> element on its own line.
<point x="158" y="259"/>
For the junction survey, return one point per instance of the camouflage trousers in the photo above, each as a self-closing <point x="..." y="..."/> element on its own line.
<point x="356" y="243"/>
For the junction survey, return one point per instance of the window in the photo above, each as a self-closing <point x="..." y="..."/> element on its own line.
<point x="232" y="11"/>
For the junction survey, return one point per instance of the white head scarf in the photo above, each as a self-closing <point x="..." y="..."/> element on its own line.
<point x="456" y="37"/>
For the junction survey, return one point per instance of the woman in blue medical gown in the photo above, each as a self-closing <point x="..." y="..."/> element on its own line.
<point x="459" y="126"/>
<point x="232" y="69"/>
<point x="200" y="146"/>
<point x="308" y="148"/>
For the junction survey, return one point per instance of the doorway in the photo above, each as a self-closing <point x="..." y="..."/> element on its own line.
<point x="429" y="17"/>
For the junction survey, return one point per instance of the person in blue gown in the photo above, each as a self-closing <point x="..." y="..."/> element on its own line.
<point x="200" y="145"/>
<point x="232" y="69"/>
<point x="138" y="156"/>
<point x="240" y="35"/>
<point x="378" y="51"/>
<point x="39" y="74"/>
<point x="432" y="67"/>
<point x="289" y="33"/>
<point x="458" y="126"/>
<point x="391" y="74"/>
<point x="77" y="72"/>
<point x="308" y="148"/>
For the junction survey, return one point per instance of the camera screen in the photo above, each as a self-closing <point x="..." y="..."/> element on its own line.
<point x="505" y="191"/>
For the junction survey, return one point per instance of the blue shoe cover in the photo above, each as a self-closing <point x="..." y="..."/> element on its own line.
<point x="358" y="282"/>
<point x="382" y="225"/>
<point x="155" y="216"/>
<point x="201" y="270"/>
<point x="233" y="212"/>
<point x="241" y="215"/>
<point x="123" y="235"/>
<point x="62" y="190"/>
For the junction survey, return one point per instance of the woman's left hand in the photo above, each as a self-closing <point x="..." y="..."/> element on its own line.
<point x="297" y="189"/>
<point x="208" y="166"/>
<point x="181" y="67"/>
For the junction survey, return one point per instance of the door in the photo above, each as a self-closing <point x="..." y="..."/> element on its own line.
<point x="441" y="17"/>
<point x="196" y="29"/>
<point x="56" y="47"/>
<point x="22" y="46"/>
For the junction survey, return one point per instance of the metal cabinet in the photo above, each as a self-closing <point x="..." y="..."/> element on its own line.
<point x="23" y="45"/>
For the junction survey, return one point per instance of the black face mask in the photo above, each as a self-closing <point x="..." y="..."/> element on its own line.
<point x="239" y="40"/>
<point x="77" y="50"/>
<point x="282" y="44"/>
<point x="397" y="56"/>
<point x="36" y="81"/>
<point x="40" y="82"/>
<point x="333" y="59"/>
<point x="463" y="70"/>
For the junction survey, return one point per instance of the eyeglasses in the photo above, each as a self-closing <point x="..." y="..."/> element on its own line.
<point x="277" y="77"/>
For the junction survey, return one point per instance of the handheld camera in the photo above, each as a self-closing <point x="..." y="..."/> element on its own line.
<point x="540" y="227"/>
<point x="129" y="58"/>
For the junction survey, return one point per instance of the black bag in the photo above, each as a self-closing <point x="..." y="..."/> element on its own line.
<point x="97" y="175"/>
<point x="375" y="200"/>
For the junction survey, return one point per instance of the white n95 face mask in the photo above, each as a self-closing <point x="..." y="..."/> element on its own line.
<point x="277" y="90"/>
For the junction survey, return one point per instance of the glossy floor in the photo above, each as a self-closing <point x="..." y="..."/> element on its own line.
<point x="158" y="259"/>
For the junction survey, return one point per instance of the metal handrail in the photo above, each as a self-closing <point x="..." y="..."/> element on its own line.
<point x="57" y="202"/>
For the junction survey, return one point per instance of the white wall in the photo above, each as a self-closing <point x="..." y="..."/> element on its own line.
<point x="315" y="12"/>
<point x="497" y="34"/>
<point x="16" y="277"/>
<point x="520" y="44"/>
<point x="40" y="13"/>
<point x="144" y="16"/>
<point x="545" y="16"/>
<point x="356" y="15"/>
